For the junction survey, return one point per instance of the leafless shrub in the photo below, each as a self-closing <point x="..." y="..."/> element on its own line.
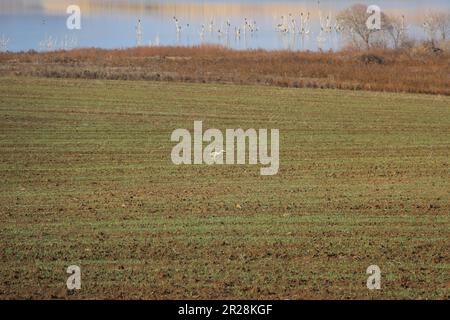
<point x="437" y="25"/>
<point x="396" y="29"/>
<point x="4" y="41"/>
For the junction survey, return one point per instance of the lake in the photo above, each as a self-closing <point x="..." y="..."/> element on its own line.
<point x="41" y="24"/>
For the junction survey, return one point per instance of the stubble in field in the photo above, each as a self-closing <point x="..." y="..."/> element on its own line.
<point x="87" y="180"/>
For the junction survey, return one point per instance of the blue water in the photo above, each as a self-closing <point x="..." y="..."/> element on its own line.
<point x="41" y="25"/>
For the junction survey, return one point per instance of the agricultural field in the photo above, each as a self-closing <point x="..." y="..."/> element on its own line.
<point x="87" y="180"/>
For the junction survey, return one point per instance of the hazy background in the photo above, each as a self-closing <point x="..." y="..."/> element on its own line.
<point x="112" y="24"/>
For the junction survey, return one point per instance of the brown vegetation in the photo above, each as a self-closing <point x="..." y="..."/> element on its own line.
<point x="418" y="70"/>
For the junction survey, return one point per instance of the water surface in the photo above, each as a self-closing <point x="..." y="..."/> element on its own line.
<point x="41" y="24"/>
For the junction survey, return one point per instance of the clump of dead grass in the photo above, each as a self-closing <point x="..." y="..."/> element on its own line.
<point x="417" y="69"/>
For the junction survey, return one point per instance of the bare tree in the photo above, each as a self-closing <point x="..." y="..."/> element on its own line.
<point x="437" y="23"/>
<point x="353" y="21"/>
<point x="396" y="28"/>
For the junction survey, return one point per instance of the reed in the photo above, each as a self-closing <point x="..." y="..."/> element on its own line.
<point x="417" y="70"/>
